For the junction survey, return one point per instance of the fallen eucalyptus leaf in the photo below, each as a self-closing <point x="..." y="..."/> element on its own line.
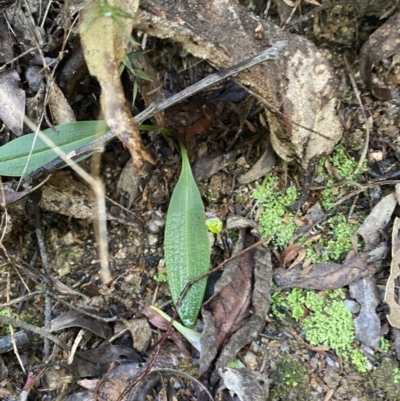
<point x="377" y="220"/>
<point x="12" y="100"/>
<point x="382" y="44"/>
<point x="186" y="244"/>
<point x="367" y="324"/>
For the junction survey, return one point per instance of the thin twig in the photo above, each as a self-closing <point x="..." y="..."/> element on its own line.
<point x="13" y="340"/>
<point x="21" y="299"/>
<point x="3" y="67"/>
<point x="357" y="93"/>
<point x="47" y="272"/>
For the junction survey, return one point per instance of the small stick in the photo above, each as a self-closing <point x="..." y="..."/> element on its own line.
<point x="357" y="93"/>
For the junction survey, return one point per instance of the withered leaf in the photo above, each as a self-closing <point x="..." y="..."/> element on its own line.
<point x="12" y="100"/>
<point x="230" y="307"/>
<point x="103" y="61"/>
<point x="75" y="319"/>
<point x="327" y="275"/>
<point x="243" y="294"/>
<point x="8" y="195"/>
<point x="247" y="385"/>
<point x="377" y="220"/>
<point x="367" y="323"/>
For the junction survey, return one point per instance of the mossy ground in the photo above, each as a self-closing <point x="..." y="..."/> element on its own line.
<point x="331" y="239"/>
<point x="323" y="316"/>
<point x="289" y="381"/>
<point x="324" y="319"/>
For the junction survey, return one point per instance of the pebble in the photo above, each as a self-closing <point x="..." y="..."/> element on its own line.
<point x="152" y="239"/>
<point x="352" y="306"/>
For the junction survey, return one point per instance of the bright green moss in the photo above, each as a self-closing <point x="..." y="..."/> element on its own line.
<point x="326" y="320"/>
<point x="345" y="167"/>
<point x="275" y="219"/>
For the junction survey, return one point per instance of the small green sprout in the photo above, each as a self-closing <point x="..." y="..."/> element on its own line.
<point x="345" y="167"/>
<point x="214" y="224"/>
<point x="339" y="232"/>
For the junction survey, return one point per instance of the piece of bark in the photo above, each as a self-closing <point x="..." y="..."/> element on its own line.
<point x="390" y="294"/>
<point x="382" y="44"/>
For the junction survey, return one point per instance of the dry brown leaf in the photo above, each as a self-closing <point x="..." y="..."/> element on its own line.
<point x="327" y="275"/>
<point x="390" y="295"/>
<point x="12" y="101"/>
<point x="230" y="307"/>
<point x="60" y="109"/>
<point x="290" y="253"/>
<point x="246" y="281"/>
<point x="12" y="97"/>
<point x="104" y="45"/>
<point x="367" y="323"/>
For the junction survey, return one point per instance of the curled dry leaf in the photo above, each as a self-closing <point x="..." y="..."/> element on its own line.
<point x="390" y="295"/>
<point x="264" y="164"/>
<point x="60" y="109"/>
<point x="12" y="97"/>
<point x="103" y="60"/>
<point x="300" y="84"/>
<point x="367" y="323"/>
<point x="327" y="275"/>
<point x="382" y="44"/>
<point x="236" y="313"/>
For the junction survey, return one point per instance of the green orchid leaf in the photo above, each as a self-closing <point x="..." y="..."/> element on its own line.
<point x="25" y="154"/>
<point x="186" y="244"/>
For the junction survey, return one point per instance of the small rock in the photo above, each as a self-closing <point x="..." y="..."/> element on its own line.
<point x="352" y="306"/>
<point x="152" y="239"/>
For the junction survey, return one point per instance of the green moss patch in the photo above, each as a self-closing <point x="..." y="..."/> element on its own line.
<point x="324" y="319"/>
